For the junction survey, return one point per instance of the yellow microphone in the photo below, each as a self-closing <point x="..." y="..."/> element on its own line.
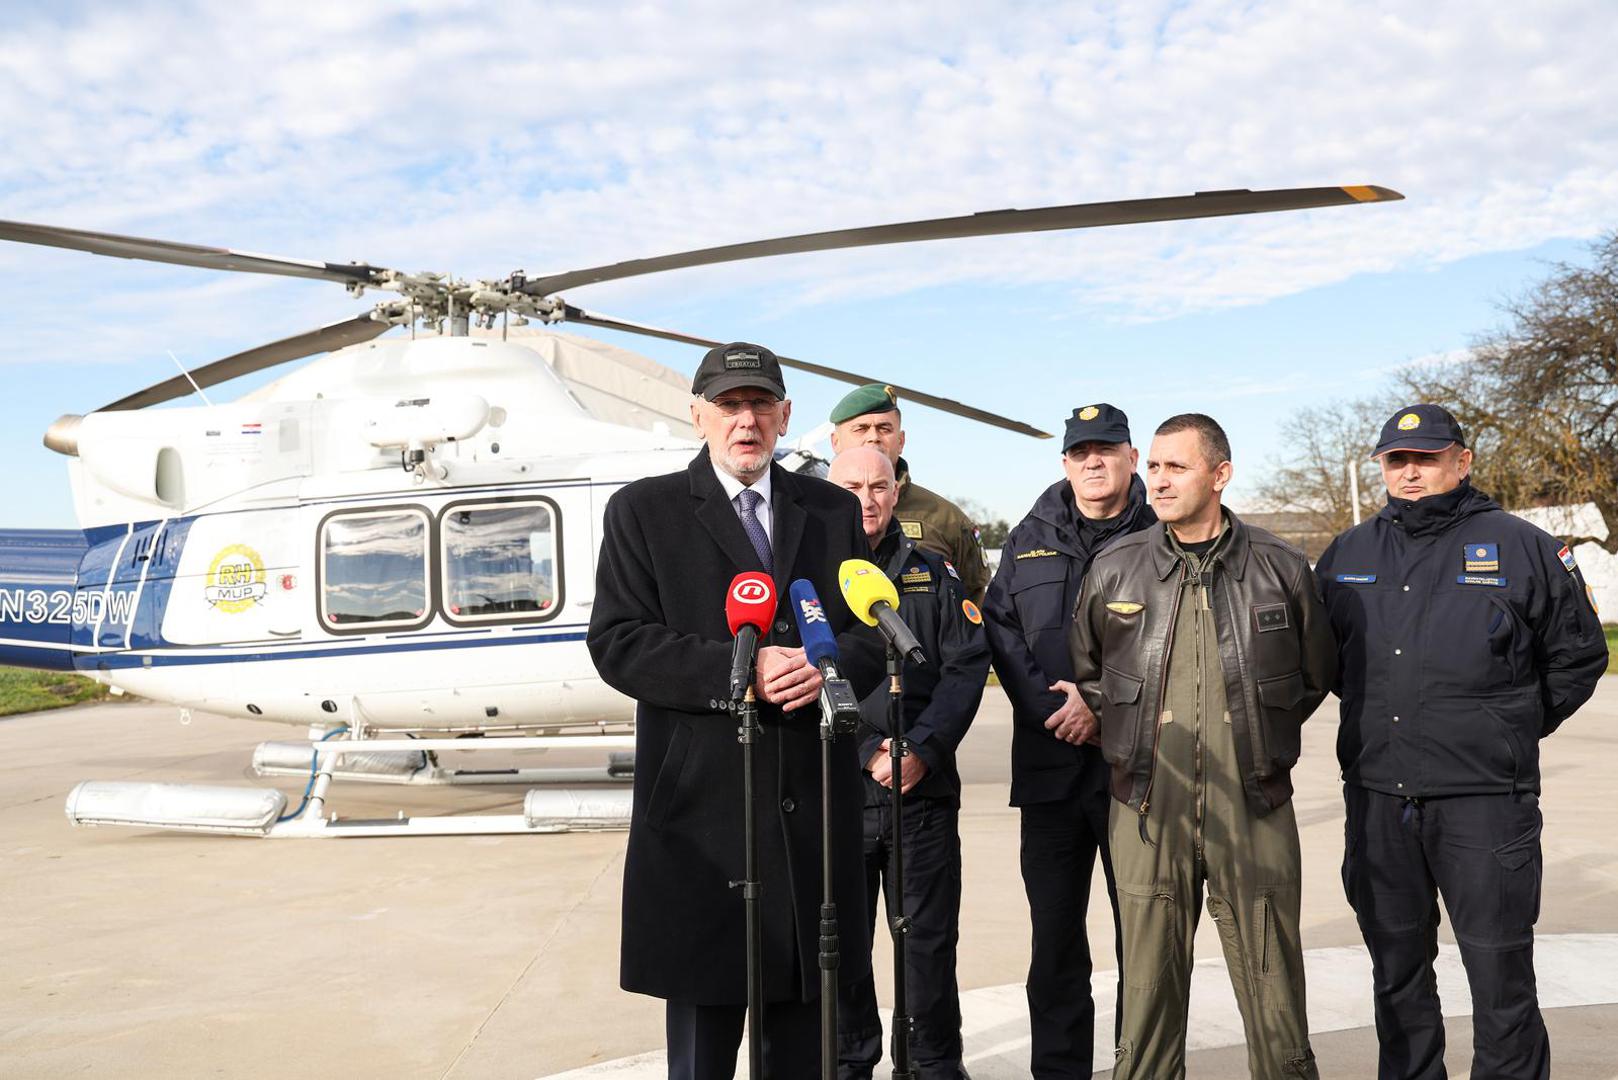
<point x="874" y="602"/>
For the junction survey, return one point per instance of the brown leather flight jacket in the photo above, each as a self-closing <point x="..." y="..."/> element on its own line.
<point x="1275" y="646"/>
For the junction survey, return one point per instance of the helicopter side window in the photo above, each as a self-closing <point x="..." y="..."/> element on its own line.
<point x="500" y="561"/>
<point x="374" y="569"/>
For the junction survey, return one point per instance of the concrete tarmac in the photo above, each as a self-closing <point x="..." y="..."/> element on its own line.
<point x="138" y="953"/>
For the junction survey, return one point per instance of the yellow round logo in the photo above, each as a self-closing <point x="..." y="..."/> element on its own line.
<point x="235" y="579"/>
<point x="973" y="615"/>
<point x="1409" y="422"/>
<point x="1089" y="412"/>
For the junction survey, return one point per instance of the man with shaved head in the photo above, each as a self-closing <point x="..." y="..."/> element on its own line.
<point x="869" y="416"/>
<point x="940" y="699"/>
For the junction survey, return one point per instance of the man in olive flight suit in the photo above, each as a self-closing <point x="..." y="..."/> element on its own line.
<point x="869" y="416"/>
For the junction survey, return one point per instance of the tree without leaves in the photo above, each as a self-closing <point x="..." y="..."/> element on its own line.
<point x="1539" y="398"/>
<point x="991" y="530"/>
<point x="1322" y="442"/>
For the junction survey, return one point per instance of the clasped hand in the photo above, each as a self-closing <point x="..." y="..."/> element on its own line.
<point x="1073" y="722"/>
<point x="785" y="677"/>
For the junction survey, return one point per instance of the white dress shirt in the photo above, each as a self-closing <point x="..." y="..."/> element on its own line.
<point x="734" y="487"/>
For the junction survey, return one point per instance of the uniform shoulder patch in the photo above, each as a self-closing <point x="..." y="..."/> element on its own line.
<point x="1566" y="555"/>
<point x="973" y="615"/>
<point x="912" y="529"/>
<point x="949" y="568"/>
<point x="1125" y="607"/>
<point x="1590" y="594"/>
<point x="1480" y="558"/>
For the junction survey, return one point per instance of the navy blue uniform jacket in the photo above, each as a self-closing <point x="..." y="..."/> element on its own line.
<point x="941" y="696"/>
<point x="670" y="548"/>
<point x="1026" y="613"/>
<point x="1464" y="636"/>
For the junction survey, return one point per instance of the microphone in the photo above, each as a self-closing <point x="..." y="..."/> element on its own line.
<point x="873" y="600"/>
<point x="840" y="706"/>
<point x="749" y="607"/>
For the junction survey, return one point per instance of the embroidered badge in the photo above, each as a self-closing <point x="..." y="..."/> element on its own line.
<point x="1591" y="595"/>
<point x="1125" y="607"/>
<point x="1409" y="422"/>
<point x="1480" y="558"/>
<point x="1271" y="617"/>
<point x="1473" y="579"/>
<point x="916" y="575"/>
<point x="1038" y="553"/>
<point x="1356" y="579"/>
<point x="973" y="615"/>
<point x="1567" y="559"/>
<point x="949" y="567"/>
<point x="911" y="529"/>
<point x="1089" y="412"/>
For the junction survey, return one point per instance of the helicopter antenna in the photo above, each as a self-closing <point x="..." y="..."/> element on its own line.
<point x="188" y="378"/>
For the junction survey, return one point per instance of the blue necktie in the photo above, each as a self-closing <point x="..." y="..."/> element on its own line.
<point x="749" y="500"/>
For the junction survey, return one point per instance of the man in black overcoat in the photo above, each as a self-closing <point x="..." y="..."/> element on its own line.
<point x="670" y="547"/>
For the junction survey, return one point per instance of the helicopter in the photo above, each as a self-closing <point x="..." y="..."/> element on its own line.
<point x="393" y="546"/>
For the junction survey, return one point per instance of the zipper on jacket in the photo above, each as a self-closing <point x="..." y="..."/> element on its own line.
<point x="1162" y="688"/>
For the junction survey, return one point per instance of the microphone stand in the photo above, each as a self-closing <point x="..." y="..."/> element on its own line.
<point x="830" y="944"/>
<point x="752" y="890"/>
<point x="898" y="921"/>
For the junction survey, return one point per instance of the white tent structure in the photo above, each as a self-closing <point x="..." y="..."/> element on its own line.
<point x="1600" y="566"/>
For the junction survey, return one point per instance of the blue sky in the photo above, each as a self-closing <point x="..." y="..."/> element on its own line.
<point x="450" y="136"/>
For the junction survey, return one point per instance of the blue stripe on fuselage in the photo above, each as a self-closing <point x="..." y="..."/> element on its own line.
<point x="118" y="660"/>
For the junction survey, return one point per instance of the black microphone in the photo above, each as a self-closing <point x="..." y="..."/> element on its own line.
<point x="749" y="607"/>
<point x="840" y="706"/>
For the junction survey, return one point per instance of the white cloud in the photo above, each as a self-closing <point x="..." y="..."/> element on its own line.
<point x="477" y="139"/>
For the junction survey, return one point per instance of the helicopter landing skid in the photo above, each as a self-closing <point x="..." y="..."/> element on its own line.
<point x="419" y="767"/>
<point x="260" y="812"/>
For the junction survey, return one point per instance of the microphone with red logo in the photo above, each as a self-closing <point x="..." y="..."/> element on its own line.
<point x="749" y="607"/>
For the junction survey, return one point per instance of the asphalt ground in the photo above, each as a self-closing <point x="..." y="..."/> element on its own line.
<point x="139" y="953"/>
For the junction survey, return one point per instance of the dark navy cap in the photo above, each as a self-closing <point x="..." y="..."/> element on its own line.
<point x="1095" y="423"/>
<point x="1423" y="428"/>
<point x="740" y="363"/>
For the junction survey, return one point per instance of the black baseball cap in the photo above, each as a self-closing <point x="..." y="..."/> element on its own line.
<point x="1426" y="429"/>
<point x="740" y="363"/>
<point x="1095" y="423"/>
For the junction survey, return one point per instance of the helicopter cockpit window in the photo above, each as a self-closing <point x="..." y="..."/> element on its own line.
<point x="374" y="569"/>
<point x="500" y="561"/>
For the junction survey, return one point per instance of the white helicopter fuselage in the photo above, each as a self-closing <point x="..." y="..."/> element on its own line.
<point x="401" y="534"/>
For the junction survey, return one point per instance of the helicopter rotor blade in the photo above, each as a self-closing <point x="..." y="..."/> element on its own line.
<point x="989" y="223"/>
<point x="949" y="405"/>
<point x="168" y="251"/>
<point x="333" y="336"/>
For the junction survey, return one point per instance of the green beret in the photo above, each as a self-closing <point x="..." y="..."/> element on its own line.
<point x="870" y="398"/>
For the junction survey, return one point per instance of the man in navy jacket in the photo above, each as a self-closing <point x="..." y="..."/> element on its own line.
<point x="1058" y="777"/>
<point x="1465" y="635"/>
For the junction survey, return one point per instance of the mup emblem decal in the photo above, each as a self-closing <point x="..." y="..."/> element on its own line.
<point x="235" y="579"/>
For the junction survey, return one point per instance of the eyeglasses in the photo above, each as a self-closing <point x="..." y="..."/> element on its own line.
<point x="758" y="406"/>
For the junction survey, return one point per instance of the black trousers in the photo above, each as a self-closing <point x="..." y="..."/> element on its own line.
<point x="1060" y="841"/>
<point x="703" y="1040"/>
<point x="932" y="899"/>
<point x="1481" y="854"/>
